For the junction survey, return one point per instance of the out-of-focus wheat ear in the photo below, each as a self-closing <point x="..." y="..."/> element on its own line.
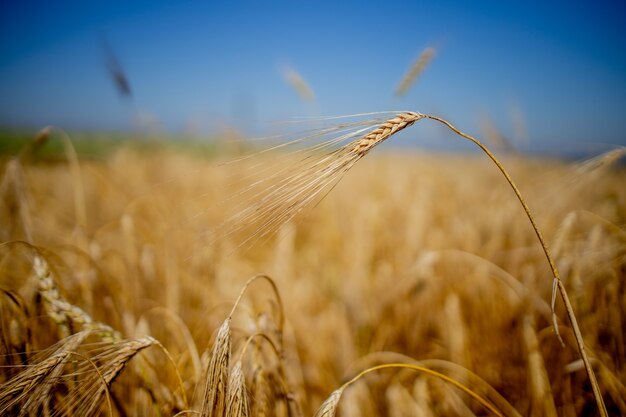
<point x="282" y="389"/>
<point x="237" y="404"/>
<point x="416" y="69"/>
<point x="456" y="330"/>
<point x="35" y="381"/>
<point x="262" y="398"/>
<point x="214" y="400"/>
<point x="15" y="219"/>
<point x="400" y="401"/>
<point x="181" y="384"/>
<point x="329" y="407"/>
<point x="358" y="401"/>
<point x="29" y="150"/>
<point x="17" y="334"/>
<point x="494" y="136"/>
<point x="541" y="399"/>
<point x="111" y="365"/>
<point x="601" y="161"/>
<point x="65" y="315"/>
<point x="80" y="205"/>
<point x="297" y="82"/>
<point x="421" y="393"/>
<point x="281" y="309"/>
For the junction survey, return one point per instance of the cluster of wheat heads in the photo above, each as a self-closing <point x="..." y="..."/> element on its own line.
<point x="62" y="359"/>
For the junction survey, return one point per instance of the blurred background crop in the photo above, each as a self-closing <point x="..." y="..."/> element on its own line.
<point x="549" y="77"/>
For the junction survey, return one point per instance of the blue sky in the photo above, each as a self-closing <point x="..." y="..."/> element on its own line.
<point x="200" y="64"/>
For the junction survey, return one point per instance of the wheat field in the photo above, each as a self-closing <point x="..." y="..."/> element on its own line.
<point x="146" y="282"/>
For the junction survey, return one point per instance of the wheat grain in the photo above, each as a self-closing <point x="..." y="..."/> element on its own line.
<point x="214" y="399"/>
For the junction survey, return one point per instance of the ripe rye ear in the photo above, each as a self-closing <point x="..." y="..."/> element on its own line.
<point x="214" y="400"/>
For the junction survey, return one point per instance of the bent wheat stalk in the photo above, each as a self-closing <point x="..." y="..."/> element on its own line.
<point x="558" y="284"/>
<point x="329" y="407"/>
<point x="301" y="189"/>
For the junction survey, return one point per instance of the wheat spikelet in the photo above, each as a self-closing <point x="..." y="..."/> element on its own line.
<point x="65" y="315"/>
<point x="416" y="69"/>
<point x="111" y="359"/>
<point x="32" y="384"/>
<point x="329" y="407"/>
<point x="363" y="145"/>
<point x="214" y="400"/>
<point x="358" y="401"/>
<point x="237" y="397"/>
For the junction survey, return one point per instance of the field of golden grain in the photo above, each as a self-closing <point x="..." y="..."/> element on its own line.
<point x="118" y="297"/>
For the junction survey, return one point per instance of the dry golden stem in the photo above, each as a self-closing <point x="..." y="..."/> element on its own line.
<point x="355" y="150"/>
<point x="558" y="284"/>
<point x="281" y="319"/>
<point x="329" y="406"/>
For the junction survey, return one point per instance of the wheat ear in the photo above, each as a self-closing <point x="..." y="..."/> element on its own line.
<point x="353" y="151"/>
<point x="214" y="400"/>
<point x="237" y="396"/>
<point x="416" y="69"/>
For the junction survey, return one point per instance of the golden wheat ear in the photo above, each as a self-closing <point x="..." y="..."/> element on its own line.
<point x="27" y="390"/>
<point x="283" y="203"/>
<point x="214" y="400"/>
<point x="237" y="403"/>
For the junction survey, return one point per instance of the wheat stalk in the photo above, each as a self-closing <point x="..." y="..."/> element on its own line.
<point x="329" y="407"/>
<point x="294" y="193"/>
<point x="461" y="373"/>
